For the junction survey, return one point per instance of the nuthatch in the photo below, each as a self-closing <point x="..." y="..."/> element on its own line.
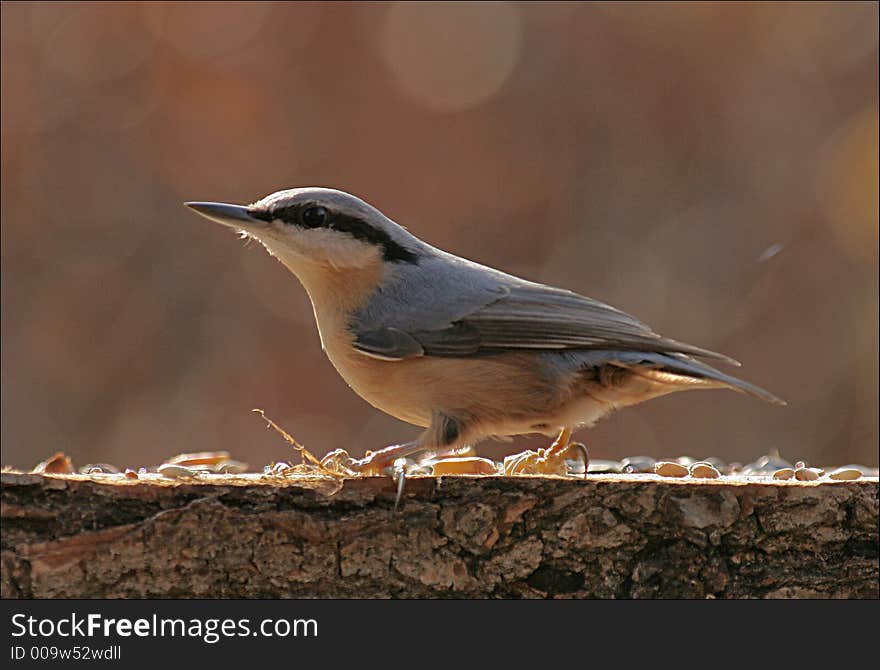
<point x="459" y="348"/>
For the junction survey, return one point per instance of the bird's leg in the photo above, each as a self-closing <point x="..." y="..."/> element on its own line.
<point x="549" y="461"/>
<point x="560" y="444"/>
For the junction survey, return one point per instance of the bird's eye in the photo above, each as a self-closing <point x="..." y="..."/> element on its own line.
<point x="315" y="216"/>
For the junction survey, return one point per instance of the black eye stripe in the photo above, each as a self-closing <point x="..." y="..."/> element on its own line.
<point x="352" y="225"/>
<point x="268" y="215"/>
<point x="361" y="230"/>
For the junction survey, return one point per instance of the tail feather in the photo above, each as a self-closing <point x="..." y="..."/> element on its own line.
<point x="678" y="369"/>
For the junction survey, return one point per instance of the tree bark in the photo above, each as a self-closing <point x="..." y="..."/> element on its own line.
<point x="630" y="536"/>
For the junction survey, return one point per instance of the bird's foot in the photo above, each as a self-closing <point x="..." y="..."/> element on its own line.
<point x="390" y="462"/>
<point x="340" y="463"/>
<point x="546" y="462"/>
<point x="437" y="465"/>
<point x="373" y="464"/>
<point x="551" y="461"/>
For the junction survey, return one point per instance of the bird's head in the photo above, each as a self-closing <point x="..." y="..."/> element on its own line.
<point x="308" y="227"/>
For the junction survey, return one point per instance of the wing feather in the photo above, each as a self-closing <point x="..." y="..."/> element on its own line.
<point x="547" y="318"/>
<point x="458" y="309"/>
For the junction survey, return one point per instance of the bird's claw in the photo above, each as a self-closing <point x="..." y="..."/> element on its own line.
<point x="547" y="461"/>
<point x="398" y="474"/>
<point x="341" y="463"/>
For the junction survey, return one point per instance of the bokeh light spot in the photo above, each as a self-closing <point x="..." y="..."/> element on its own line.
<point x="451" y="57"/>
<point x="195" y="32"/>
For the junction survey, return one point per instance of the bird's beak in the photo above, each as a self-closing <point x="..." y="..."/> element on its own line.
<point x="234" y="216"/>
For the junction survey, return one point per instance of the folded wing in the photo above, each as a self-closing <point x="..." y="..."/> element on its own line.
<point x="517" y="315"/>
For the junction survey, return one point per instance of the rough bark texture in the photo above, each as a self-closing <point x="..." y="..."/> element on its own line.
<point x="605" y="537"/>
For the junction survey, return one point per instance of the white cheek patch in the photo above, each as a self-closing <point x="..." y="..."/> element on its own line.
<point x="317" y="245"/>
<point x="333" y="247"/>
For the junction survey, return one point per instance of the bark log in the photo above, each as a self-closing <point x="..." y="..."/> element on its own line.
<point x="627" y="536"/>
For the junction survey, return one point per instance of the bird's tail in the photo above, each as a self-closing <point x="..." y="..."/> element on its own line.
<point x="683" y="372"/>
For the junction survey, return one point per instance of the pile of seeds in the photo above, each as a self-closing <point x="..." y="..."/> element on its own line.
<point x="176" y="467"/>
<point x="215" y="463"/>
<point x="202" y="464"/>
<point x="770" y="466"/>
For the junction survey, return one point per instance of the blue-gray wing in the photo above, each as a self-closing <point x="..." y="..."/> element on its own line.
<point x="455" y="308"/>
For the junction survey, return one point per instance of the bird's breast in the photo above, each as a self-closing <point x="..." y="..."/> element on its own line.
<point x="390" y="386"/>
<point x="507" y="394"/>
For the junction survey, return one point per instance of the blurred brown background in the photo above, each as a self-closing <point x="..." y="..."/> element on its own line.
<point x="710" y="168"/>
